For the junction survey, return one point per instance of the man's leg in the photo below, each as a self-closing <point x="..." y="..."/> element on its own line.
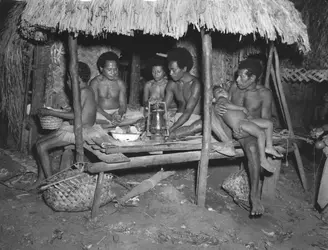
<point x="250" y="147"/>
<point x="267" y="125"/>
<point x="43" y="146"/>
<point x="254" y="130"/>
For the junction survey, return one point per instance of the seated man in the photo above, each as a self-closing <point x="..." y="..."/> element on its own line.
<point x="257" y="99"/>
<point x="184" y="87"/>
<point x="64" y="136"/>
<point x="110" y="93"/>
<point x="238" y="120"/>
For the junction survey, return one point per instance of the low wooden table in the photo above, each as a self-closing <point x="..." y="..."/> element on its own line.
<point x="154" y="153"/>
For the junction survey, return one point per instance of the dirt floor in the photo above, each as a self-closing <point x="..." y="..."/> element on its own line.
<point x="165" y="217"/>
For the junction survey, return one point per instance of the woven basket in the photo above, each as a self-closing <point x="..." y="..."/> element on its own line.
<point x="73" y="190"/>
<point x="50" y="122"/>
<point x="237" y="186"/>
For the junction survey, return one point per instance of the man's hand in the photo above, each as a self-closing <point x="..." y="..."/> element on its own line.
<point x="121" y="112"/>
<point x="109" y="117"/>
<point x="220" y="109"/>
<point x="44" y="112"/>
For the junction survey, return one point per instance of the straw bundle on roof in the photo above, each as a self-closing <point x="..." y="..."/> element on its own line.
<point x="14" y="56"/>
<point x="268" y="18"/>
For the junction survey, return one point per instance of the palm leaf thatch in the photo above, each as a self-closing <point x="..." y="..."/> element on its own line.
<point x="271" y="19"/>
<point x="13" y="71"/>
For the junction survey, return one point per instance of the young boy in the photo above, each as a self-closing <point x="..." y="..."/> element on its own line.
<point x="154" y="90"/>
<point x="236" y="118"/>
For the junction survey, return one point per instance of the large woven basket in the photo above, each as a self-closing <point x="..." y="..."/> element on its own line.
<point x="237" y="186"/>
<point x="73" y="190"/>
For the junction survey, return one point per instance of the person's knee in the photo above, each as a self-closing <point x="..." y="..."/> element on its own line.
<point x="41" y="148"/>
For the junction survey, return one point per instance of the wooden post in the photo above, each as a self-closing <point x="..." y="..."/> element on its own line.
<point x="73" y="64"/>
<point x="134" y="79"/>
<point x="289" y="121"/>
<point x="268" y="68"/>
<point x="207" y="73"/>
<point x="97" y="195"/>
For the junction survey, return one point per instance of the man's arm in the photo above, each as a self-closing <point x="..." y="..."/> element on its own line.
<point x="122" y="97"/>
<point x="63" y="115"/>
<point x="191" y="104"/>
<point x="231" y="106"/>
<point x="94" y="85"/>
<point x="169" y="93"/>
<point x="146" y="94"/>
<point x="266" y="111"/>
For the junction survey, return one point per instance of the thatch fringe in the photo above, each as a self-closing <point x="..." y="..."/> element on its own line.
<point x="271" y="19"/>
<point x="14" y="56"/>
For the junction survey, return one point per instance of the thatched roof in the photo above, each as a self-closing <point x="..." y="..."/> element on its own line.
<point x="271" y="19"/>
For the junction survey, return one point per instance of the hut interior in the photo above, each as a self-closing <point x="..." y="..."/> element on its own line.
<point x="42" y="28"/>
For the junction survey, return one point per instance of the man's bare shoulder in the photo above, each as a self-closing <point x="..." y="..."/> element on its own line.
<point x="121" y="83"/>
<point x="87" y="91"/>
<point x="170" y="85"/>
<point x="96" y="80"/>
<point x="264" y="91"/>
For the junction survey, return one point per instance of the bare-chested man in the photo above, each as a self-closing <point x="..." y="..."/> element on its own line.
<point x="258" y="101"/>
<point x="110" y="91"/>
<point x="185" y="88"/>
<point x="64" y="136"/>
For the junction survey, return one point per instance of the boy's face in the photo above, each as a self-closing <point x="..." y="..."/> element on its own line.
<point x="219" y="92"/>
<point x="158" y="73"/>
<point x="110" y="70"/>
<point x="175" y="72"/>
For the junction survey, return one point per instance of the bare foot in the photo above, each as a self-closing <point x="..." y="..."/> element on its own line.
<point x="227" y="149"/>
<point x="267" y="166"/>
<point x="257" y="207"/>
<point x="273" y="152"/>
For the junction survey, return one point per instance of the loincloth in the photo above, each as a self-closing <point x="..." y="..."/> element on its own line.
<point x="174" y="117"/>
<point x="66" y="133"/>
<point x="129" y="116"/>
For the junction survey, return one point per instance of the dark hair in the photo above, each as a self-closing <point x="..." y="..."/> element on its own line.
<point x="84" y="72"/>
<point x="253" y="66"/>
<point x="107" y="56"/>
<point x="182" y="56"/>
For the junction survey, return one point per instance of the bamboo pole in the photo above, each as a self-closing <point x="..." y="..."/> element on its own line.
<point x="277" y="91"/>
<point x="134" y="79"/>
<point x="73" y="64"/>
<point x="268" y="68"/>
<point x="207" y="73"/>
<point x="97" y="195"/>
<point x="288" y="120"/>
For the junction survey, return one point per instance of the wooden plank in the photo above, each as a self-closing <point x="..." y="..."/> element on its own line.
<point x="108" y="158"/>
<point x="73" y="64"/>
<point x="207" y="112"/>
<point x="97" y="196"/>
<point x="154" y="160"/>
<point x="268" y="69"/>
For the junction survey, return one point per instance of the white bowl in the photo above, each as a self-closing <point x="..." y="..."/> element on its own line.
<point x="125" y="137"/>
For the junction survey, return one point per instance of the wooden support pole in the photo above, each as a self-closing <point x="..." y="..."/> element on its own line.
<point x="134" y="79"/>
<point x="73" y="64"/>
<point x="207" y="73"/>
<point x="289" y="121"/>
<point x="97" y="196"/>
<point x="268" y="68"/>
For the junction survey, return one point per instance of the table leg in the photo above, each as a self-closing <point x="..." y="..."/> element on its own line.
<point x="97" y="196"/>
<point x="270" y="182"/>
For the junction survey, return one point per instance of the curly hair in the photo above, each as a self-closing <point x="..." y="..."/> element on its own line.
<point x="84" y="72"/>
<point x="182" y="56"/>
<point x="107" y="56"/>
<point x="253" y="66"/>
